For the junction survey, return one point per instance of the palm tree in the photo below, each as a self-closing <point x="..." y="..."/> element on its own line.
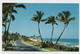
<point x="5" y="11"/>
<point x="9" y="11"/>
<point x="37" y="18"/>
<point x="13" y="10"/>
<point x="4" y="24"/>
<point x="50" y="20"/>
<point x="65" y="18"/>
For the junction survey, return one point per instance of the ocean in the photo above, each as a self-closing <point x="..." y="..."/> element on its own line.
<point x="67" y="42"/>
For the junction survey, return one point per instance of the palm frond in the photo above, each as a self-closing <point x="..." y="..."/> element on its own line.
<point x="50" y="19"/>
<point x="13" y="18"/>
<point x="20" y="6"/>
<point x="66" y="14"/>
<point x="35" y="15"/>
<point x="40" y="14"/>
<point x="73" y="18"/>
<point x="67" y="22"/>
<point x="14" y="11"/>
<point x="61" y="17"/>
<point x="34" y="19"/>
<point x="48" y="22"/>
<point x="3" y="20"/>
<point x="3" y="25"/>
<point x="56" y="23"/>
<point x="43" y="20"/>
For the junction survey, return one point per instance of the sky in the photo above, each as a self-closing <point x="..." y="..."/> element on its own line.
<point x="25" y="26"/>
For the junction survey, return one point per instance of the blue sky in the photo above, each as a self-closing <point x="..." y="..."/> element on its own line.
<point x="25" y="26"/>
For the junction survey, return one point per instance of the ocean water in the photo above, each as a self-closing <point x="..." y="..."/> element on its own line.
<point x="67" y="42"/>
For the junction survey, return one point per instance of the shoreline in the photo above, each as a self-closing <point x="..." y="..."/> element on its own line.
<point x="60" y="43"/>
<point x="37" y="43"/>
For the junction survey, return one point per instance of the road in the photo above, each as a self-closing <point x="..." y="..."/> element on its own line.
<point x="19" y="45"/>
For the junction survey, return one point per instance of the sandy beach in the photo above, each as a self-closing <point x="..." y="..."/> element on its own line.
<point x="75" y="46"/>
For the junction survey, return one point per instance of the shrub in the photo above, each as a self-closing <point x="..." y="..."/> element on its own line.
<point x="25" y="38"/>
<point x="65" y="48"/>
<point x="59" y="47"/>
<point x="47" y="44"/>
<point x="9" y="45"/>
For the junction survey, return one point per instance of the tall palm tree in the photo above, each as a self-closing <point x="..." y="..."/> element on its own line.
<point x="50" y="20"/>
<point x="65" y="18"/>
<point x="5" y="12"/>
<point x="13" y="10"/>
<point x="8" y="8"/>
<point x="4" y="24"/>
<point x="37" y="18"/>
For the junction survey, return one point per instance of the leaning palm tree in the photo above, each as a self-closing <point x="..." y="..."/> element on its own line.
<point x="37" y="18"/>
<point x="5" y="12"/>
<point x="50" y="20"/>
<point x="4" y="24"/>
<point x="12" y="10"/>
<point x="8" y="8"/>
<point x="65" y="18"/>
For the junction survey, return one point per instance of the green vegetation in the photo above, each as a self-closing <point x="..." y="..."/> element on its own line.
<point x="25" y="38"/>
<point x="50" y="20"/>
<point x="59" y="47"/>
<point x="9" y="47"/>
<point x="65" y="48"/>
<point x="8" y="10"/>
<point x="37" y="18"/>
<point x="14" y="36"/>
<point x="65" y="18"/>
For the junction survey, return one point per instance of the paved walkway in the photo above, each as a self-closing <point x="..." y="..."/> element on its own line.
<point x="19" y="45"/>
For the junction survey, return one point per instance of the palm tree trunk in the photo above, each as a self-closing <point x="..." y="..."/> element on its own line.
<point x="5" y="33"/>
<point x="52" y="32"/>
<point x="8" y="26"/>
<point x="40" y="33"/>
<point x="6" y="21"/>
<point x="61" y="34"/>
<point x="5" y="26"/>
<point x="9" y="23"/>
